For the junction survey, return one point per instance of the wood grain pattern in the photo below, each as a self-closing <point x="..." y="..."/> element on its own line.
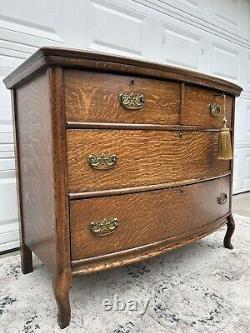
<point x="93" y="97"/>
<point x="41" y="150"/>
<point x="65" y="108"/>
<point x="35" y="144"/>
<point x="61" y="286"/>
<point x="103" y="62"/>
<point x="122" y="126"/>
<point x="197" y="110"/>
<point x="25" y="252"/>
<point x="145" y="218"/>
<point x="61" y="206"/>
<point x="143" y="158"/>
<point x="137" y="189"/>
<point x="131" y="256"/>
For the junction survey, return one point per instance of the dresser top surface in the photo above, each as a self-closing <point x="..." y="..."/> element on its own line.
<point x="104" y="62"/>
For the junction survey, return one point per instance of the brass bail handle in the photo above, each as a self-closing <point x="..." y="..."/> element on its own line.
<point x="104" y="227"/>
<point x="102" y="161"/>
<point x="131" y="101"/>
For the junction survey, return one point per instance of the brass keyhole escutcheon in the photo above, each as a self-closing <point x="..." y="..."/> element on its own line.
<point x="131" y="82"/>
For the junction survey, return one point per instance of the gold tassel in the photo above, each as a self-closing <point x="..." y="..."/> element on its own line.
<point x="225" y="146"/>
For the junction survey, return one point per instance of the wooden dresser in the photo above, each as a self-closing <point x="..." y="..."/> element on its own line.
<point x="117" y="161"/>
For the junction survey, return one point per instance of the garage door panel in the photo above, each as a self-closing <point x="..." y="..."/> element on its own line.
<point x="116" y="29"/>
<point x="175" y="41"/>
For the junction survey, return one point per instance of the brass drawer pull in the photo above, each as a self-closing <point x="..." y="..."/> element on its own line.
<point x="222" y="198"/>
<point x="131" y="101"/>
<point x="104" y="227"/>
<point x="215" y="109"/>
<point x="102" y="161"/>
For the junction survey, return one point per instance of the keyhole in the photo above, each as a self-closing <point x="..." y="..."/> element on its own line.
<point x="131" y="82"/>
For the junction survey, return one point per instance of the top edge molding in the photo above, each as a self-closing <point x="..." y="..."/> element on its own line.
<point x="73" y="58"/>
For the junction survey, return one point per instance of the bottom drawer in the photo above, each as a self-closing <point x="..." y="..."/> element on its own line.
<point x="114" y="223"/>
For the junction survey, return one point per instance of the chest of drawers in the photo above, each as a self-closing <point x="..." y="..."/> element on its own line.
<point x="117" y="161"/>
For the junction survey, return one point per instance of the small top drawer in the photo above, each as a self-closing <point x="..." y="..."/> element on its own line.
<point x="205" y="107"/>
<point x="102" y="97"/>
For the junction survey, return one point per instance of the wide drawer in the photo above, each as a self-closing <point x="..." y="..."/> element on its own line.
<point x="205" y="107"/>
<point x="110" y="224"/>
<point x="108" y="159"/>
<point x="100" y="97"/>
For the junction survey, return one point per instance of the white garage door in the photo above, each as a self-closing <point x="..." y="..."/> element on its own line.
<point x="211" y="36"/>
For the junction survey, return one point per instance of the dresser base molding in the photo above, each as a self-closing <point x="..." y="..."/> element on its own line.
<point x="109" y="261"/>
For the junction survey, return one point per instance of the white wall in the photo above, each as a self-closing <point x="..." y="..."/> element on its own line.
<point x="212" y="36"/>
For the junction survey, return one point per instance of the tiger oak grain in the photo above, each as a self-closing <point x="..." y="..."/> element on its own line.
<point x="143" y="158"/>
<point x="99" y="101"/>
<point x="164" y="187"/>
<point x="145" y="218"/>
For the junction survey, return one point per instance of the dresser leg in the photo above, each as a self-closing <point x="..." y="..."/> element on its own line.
<point x="61" y="286"/>
<point x="26" y="259"/>
<point x="229" y="233"/>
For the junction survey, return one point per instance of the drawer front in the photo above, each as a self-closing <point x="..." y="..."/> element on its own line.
<point x="107" y="159"/>
<point x="96" y="97"/>
<point x="110" y="224"/>
<point x="204" y="108"/>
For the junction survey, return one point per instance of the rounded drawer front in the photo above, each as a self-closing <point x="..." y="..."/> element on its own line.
<point x="100" y="97"/>
<point x="204" y="107"/>
<point x="109" y="159"/>
<point x="115" y="223"/>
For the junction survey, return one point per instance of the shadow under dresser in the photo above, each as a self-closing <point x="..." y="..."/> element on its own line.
<point x="117" y="161"/>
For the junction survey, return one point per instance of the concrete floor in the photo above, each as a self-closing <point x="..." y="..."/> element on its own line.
<point x="241" y="206"/>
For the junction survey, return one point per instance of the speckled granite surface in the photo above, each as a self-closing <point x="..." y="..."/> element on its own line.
<point x="201" y="288"/>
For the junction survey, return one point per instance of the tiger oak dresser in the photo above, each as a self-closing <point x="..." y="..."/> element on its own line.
<point x="117" y="161"/>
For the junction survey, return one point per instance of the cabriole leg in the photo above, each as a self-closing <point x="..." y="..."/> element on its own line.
<point x="229" y="233"/>
<point x="61" y="286"/>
